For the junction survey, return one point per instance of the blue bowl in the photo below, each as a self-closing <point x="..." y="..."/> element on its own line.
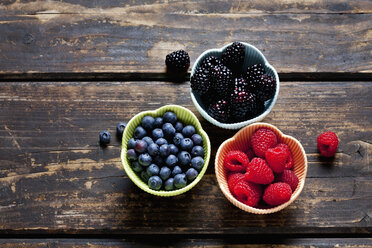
<point x="252" y="56"/>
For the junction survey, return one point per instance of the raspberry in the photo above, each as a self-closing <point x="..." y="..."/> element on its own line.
<point x="220" y="110"/>
<point x="288" y="177"/>
<point x="222" y="80"/>
<point x="262" y="140"/>
<point x="259" y="172"/>
<point x="290" y="162"/>
<point x="248" y="150"/>
<point x="233" y="179"/>
<point x="248" y="193"/>
<point x="236" y="161"/>
<point x="233" y="56"/>
<point x="277" y="193"/>
<point x="327" y="144"/>
<point x="178" y="61"/>
<point x="200" y="81"/>
<point x="277" y="158"/>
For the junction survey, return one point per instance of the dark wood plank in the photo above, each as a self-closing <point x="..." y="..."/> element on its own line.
<point x="76" y="38"/>
<point x="153" y="242"/>
<point x="56" y="179"/>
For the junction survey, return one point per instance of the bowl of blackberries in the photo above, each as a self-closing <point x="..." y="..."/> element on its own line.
<point x="233" y="86"/>
<point x="165" y="152"/>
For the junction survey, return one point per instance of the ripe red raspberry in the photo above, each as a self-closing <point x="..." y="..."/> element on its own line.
<point x="327" y="144"/>
<point x="236" y="161"/>
<point x="277" y="193"/>
<point x="248" y="193"/>
<point x="262" y="140"/>
<point x="290" y="162"/>
<point x="233" y="179"/>
<point x="259" y="172"/>
<point x="249" y="151"/>
<point x="277" y="158"/>
<point x="288" y="177"/>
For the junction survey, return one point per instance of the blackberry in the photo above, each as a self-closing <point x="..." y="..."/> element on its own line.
<point x="178" y="61"/>
<point x="220" y="111"/>
<point x="254" y="72"/>
<point x="243" y="105"/>
<point x="200" y="81"/>
<point x="241" y="84"/>
<point x="233" y="56"/>
<point x="267" y="87"/>
<point x="210" y="62"/>
<point x="222" y="80"/>
<point x="210" y="97"/>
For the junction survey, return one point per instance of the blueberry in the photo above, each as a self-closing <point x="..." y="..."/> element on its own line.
<point x="145" y="159"/>
<point x="158" y="160"/>
<point x="120" y="129"/>
<point x="139" y="132"/>
<point x="191" y="174"/>
<point x="171" y="160"/>
<point x="180" y="181"/>
<point x="176" y="170"/>
<point x="186" y="144"/>
<point x="157" y="133"/>
<point x="188" y="131"/>
<point x="136" y="166"/>
<point x="131" y="143"/>
<point x="148" y="140"/>
<point x="104" y="137"/>
<point x="158" y="122"/>
<point x="173" y="149"/>
<point x="131" y="155"/>
<point x="197" y="151"/>
<point x="164" y="173"/>
<point x="177" y="139"/>
<point x="144" y="176"/>
<point x="197" y="163"/>
<point x="164" y="150"/>
<point x="184" y="158"/>
<point x="140" y="146"/>
<point x="197" y="139"/>
<point x="153" y="149"/>
<point x="168" y="130"/>
<point x="169" y="184"/>
<point x="161" y="141"/>
<point x="152" y="170"/>
<point x="178" y="127"/>
<point x="155" y="182"/>
<point x="148" y="122"/>
<point x="170" y="117"/>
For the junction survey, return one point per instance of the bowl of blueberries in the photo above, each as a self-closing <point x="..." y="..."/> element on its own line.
<point x="233" y="86"/>
<point x="165" y="152"/>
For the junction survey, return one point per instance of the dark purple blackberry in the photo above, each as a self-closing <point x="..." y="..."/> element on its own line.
<point x="254" y="72"/>
<point x="210" y="62"/>
<point x="243" y="105"/>
<point x="200" y="81"/>
<point x="240" y="84"/>
<point x="220" y="110"/>
<point x="210" y="97"/>
<point x="222" y="80"/>
<point x="267" y="87"/>
<point x="233" y="56"/>
<point x="178" y="61"/>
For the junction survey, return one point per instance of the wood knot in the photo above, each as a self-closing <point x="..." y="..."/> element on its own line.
<point x="28" y="39"/>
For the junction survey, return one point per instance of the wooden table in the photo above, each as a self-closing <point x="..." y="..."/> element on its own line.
<point x="70" y="69"/>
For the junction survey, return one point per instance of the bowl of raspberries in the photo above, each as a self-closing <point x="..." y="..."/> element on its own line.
<point x="260" y="170"/>
<point x="165" y="152"/>
<point x="233" y="86"/>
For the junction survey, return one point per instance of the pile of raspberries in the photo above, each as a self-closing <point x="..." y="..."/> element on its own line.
<point x="262" y="175"/>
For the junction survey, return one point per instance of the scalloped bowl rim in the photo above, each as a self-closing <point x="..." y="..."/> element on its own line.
<point x="241" y="124"/>
<point x="247" y="208"/>
<point x="132" y="175"/>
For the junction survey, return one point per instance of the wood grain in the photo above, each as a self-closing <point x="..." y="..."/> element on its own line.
<point x="169" y="242"/>
<point x="83" y="37"/>
<point x="56" y="179"/>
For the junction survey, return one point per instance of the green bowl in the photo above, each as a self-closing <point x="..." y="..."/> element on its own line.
<point x="184" y="115"/>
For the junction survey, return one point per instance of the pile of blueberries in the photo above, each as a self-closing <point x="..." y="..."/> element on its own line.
<point x="166" y="153"/>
